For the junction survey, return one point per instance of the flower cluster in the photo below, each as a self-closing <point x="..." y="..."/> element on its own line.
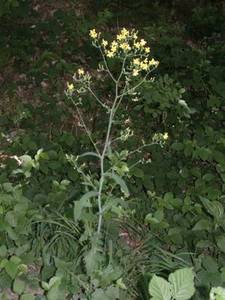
<point x="160" y="138"/>
<point x="134" y="52"/>
<point x="82" y="80"/>
<point x="125" y="134"/>
<point x="127" y="44"/>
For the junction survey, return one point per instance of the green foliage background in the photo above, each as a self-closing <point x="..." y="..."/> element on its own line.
<point x="177" y="200"/>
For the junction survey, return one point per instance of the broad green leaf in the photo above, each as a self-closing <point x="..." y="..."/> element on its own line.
<point x="210" y="264"/>
<point x="119" y="181"/>
<point x="15" y="260"/>
<point x="3" y="263"/>
<point x="217" y="293"/>
<point x="45" y="285"/>
<point x="54" y="281"/>
<point x="111" y="293"/>
<point x="27" y="297"/>
<point x="202" y="224"/>
<point x="11" y="218"/>
<point x="27" y="162"/>
<point x="91" y="261"/>
<point x="19" y="286"/>
<point x="221" y="243"/>
<point x="3" y="251"/>
<point x="11" y="269"/>
<point x="56" y="291"/>
<point x="182" y="283"/>
<point x="214" y="208"/>
<point x="88" y="195"/>
<point x="160" y="289"/>
<point x="7" y="186"/>
<point x="150" y="219"/>
<point x="204" y="244"/>
<point x="83" y="203"/>
<point x="98" y="295"/>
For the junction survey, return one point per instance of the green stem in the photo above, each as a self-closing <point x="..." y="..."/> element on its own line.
<point x="102" y="158"/>
<point x="84" y="126"/>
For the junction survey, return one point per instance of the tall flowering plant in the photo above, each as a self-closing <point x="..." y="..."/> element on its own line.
<point x="135" y="65"/>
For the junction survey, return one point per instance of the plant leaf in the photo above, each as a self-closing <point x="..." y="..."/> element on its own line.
<point x="182" y="283"/>
<point x="119" y="181"/>
<point x="82" y="203"/>
<point x="27" y="297"/>
<point x="214" y="208"/>
<point x="160" y="289"/>
<point x="89" y="154"/>
<point x="220" y="241"/>
<point x="18" y="286"/>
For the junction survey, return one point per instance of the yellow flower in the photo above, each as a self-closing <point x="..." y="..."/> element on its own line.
<point x="124" y="32"/>
<point x="114" y="44"/>
<point x="119" y="37"/>
<point x="113" y="49"/>
<point x="80" y="72"/>
<point x="142" y="42"/>
<point x="93" y="34"/>
<point x="135" y="72"/>
<point x="153" y="62"/>
<point x="110" y="54"/>
<point x="104" y="43"/>
<point x="137" y="45"/>
<point x="135" y="35"/>
<point x="125" y="46"/>
<point x="165" y="136"/>
<point x="70" y="87"/>
<point x="144" y="66"/>
<point x="136" y="61"/>
<point x="147" y="50"/>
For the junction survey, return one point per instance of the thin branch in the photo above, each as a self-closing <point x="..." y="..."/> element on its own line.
<point x="141" y="147"/>
<point x="140" y="83"/>
<point x="106" y="65"/>
<point x="122" y="69"/>
<point x="85" y="127"/>
<point x="120" y="98"/>
<point x="97" y="98"/>
<point x="135" y="164"/>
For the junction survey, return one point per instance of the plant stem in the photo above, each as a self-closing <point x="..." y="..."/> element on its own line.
<point x="97" y="98"/>
<point x="84" y="126"/>
<point x="102" y="158"/>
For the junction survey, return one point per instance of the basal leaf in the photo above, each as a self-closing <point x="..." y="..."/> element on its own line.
<point x="160" y="289"/>
<point x="221" y="243"/>
<point x="18" y="286"/>
<point x="182" y="282"/>
<point x="27" y="297"/>
<point x="82" y="203"/>
<point x="214" y="208"/>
